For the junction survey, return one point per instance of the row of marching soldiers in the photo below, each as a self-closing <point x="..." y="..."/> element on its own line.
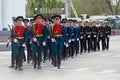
<point x="54" y="39"/>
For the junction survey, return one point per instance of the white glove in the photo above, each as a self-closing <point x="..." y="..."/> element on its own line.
<point x="48" y="37"/>
<point x="94" y="35"/>
<point x="15" y="40"/>
<point x="73" y="40"/>
<point x="30" y="42"/>
<point x="23" y="45"/>
<point x="34" y="39"/>
<point x="66" y="44"/>
<point x="53" y="40"/>
<point x="44" y="43"/>
<point x="88" y="36"/>
<point x="69" y="41"/>
<point x="101" y="35"/>
<point x="108" y="36"/>
<point x="81" y="37"/>
<point x="77" y="39"/>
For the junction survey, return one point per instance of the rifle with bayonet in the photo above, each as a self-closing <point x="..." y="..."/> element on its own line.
<point x="10" y="37"/>
<point x="52" y="36"/>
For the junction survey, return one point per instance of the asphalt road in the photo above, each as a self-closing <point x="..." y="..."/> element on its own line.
<point x="100" y="65"/>
<point x="4" y="48"/>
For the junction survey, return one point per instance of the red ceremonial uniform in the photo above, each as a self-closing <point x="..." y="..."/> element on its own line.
<point x="38" y="28"/>
<point x="57" y="30"/>
<point x="19" y="31"/>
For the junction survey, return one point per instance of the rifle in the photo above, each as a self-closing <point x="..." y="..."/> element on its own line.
<point x="52" y="36"/>
<point x="34" y="33"/>
<point x="10" y="37"/>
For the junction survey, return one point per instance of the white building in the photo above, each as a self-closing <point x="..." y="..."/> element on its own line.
<point x="10" y="8"/>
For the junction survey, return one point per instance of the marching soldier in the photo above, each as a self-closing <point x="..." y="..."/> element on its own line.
<point x="87" y="31"/>
<point x="107" y="34"/>
<point x="71" y="38"/>
<point x="81" y="32"/>
<point x="45" y="22"/>
<point x="47" y="50"/>
<point x="19" y="42"/>
<point x="77" y="36"/>
<point x="66" y="47"/>
<point x="28" y="45"/>
<point x="39" y="36"/>
<point x="94" y="35"/>
<point x="101" y="35"/>
<point x="57" y="40"/>
<point x="49" y="38"/>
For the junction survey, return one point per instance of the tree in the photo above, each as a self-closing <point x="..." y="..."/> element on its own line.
<point x="32" y="4"/>
<point x="113" y="8"/>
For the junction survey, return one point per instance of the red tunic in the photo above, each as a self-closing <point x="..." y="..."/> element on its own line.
<point x="38" y="29"/>
<point x="57" y="29"/>
<point x="19" y="31"/>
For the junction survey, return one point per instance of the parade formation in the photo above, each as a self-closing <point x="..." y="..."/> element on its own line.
<point x="55" y="39"/>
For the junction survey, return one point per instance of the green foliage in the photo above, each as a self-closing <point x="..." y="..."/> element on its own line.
<point x="32" y="4"/>
<point x="92" y="7"/>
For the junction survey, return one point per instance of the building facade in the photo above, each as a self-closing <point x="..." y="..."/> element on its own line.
<point x="10" y="8"/>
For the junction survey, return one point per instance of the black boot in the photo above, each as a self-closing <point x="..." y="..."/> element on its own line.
<point x="20" y="64"/>
<point x="59" y="61"/>
<point x="17" y="63"/>
<point x="39" y="63"/>
<point x="34" y="60"/>
<point x="56" y="61"/>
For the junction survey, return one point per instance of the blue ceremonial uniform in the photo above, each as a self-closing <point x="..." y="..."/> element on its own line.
<point x="77" y="38"/>
<point x="29" y="48"/>
<point x="59" y="37"/>
<point x="40" y="34"/>
<point x="19" y="39"/>
<point x="65" y="47"/>
<point x="69" y="38"/>
<point x="18" y="50"/>
<point x="72" y="37"/>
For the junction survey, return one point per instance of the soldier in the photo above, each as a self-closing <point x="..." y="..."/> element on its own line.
<point x="81" y="32"/>
<point x="58" y="37"/>
<point x="69" y="25"/>
<point x="87" y="31"/>
<point x="71" y="38"/>
<point x="101" y="35"/>
<point x="19" y="42"/>
<point x="49" y="38"/>
<point x="94" y="35"/>
<point x="107" y="34"/>
<point x="77" y="36"/>
<point x="47" y="51"/>
<point x="31" y="23"/>
<point x="39" y="36"/>
<point x="65" y="48"/>
<point x="29" y="49"/>
<point x="11" y="37"/>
